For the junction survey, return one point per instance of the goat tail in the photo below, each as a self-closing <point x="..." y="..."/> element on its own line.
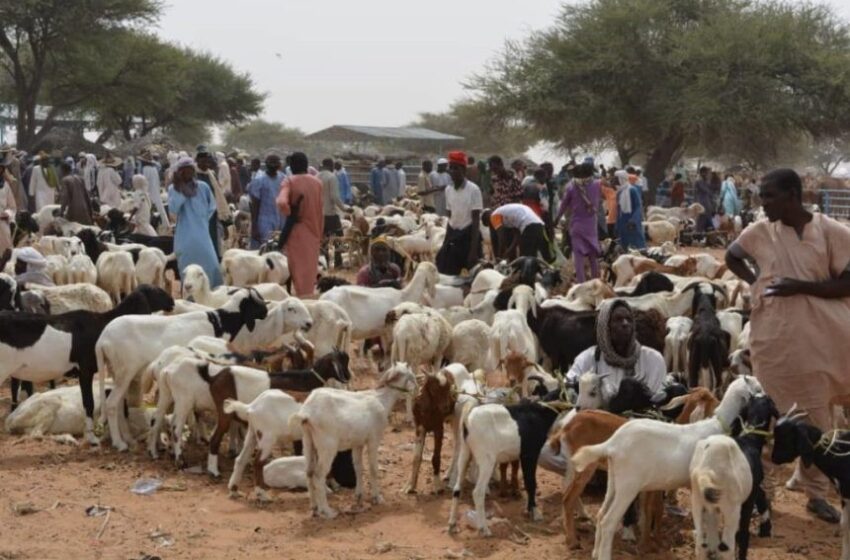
<point x="308" y="446"/>
<point x="589" y="455"/>
<point x="707" y="487"/>
<point x="238" y="408"/>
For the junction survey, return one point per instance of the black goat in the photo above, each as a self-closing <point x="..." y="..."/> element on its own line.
<point x="794" y="438"/>
<point x="708" y="344"/>
<point x="758" y="415"/>
<point x="652" y="283"/>
<point x="327" y="283"/>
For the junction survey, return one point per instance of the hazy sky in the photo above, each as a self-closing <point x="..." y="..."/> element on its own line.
<point x="368" y="62"/>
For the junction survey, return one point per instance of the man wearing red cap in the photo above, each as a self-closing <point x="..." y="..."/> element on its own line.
<point x="462" y="246"/>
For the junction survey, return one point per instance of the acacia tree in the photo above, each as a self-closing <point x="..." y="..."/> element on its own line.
<point x="660" y="76"/>
<point x="38" y="38"/>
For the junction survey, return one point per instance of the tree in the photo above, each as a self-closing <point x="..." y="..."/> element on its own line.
<point x="256" y="136"/>
<point x="659" y="76"/>
<point x="152" y="86"/>
<point x="829" y="153"/>
<point x="37" y="37"/>
<point x="484" y="133"/>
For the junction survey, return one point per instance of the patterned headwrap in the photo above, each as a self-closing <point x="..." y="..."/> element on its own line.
<point x="603" y="337"/>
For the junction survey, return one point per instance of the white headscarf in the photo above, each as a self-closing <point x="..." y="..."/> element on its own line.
<point x="624" y="198"/>
<point x="140" y="183"/>
<point x="90" y="172"/>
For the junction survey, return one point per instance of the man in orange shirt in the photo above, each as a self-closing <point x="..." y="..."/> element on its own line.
<point x="609" y="193"/>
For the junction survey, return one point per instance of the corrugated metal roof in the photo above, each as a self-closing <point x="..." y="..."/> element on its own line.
<point x="355" y="132"/>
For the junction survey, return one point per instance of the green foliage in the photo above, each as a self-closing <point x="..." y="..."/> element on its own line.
<point x="257" y="135"/>
<point x="484" y="132"/>
<point x="659" y="76"/>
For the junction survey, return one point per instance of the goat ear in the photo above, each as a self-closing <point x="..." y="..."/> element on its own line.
<point x="675" y="402"/>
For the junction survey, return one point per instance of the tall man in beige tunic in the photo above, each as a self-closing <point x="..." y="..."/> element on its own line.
<point x="801" y="311"/>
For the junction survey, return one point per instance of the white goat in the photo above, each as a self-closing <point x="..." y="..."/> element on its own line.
<point x="707" y="265"/>
<point x="469" y="338"/>
<point x="244" y="268"/>
<point x="196" y="285"/>
<point x="486" y="280"/>
<point x="510" y="333"/>
<point x="65" y="246"/>
<point x="150" y="268"/>
<point x="333" y="420"/>
<point x="368" y="307"/>
<point x="331" y="327"/>
<point x="733" y="323"/>
<point x="671" y="447"/>
<point x="676" y="344"/>
<point x="721" y="482"/>
<point x="268" y="425"/>
<point x="81" y="270"/>
<point x="116" y="274"/>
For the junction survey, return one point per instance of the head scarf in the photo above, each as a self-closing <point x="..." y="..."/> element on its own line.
<point x="624" y="198"/>
<point x="190" y="188"/>
<point x="140" y="183"/>
<point x="603" y="337"/>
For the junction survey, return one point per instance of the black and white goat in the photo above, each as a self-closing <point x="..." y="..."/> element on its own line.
<point x="708" y="345"/>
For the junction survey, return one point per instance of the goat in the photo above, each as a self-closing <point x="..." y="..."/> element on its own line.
<point x="706" y="265"/>
<point x="331" y="326"/>
<point x="196" y="285"/>
<point x="627" y="267"/>
<point x="698" y="404"/>
<point x="41" y="348"/>
<point x="708" y="346"/>
<point x="434" y="403"/>
<point x="126" y="345"/>
<point x="116" y="274"/>
<point x="81" y="270"/>
<point x="468" y="339"/>
<point x="652" y="283"/>
<point x="670" y="445"/>
<point x="243" y="268"/>
<point x="496" y="434"/>
<point x="829" y="452"/>
<point x="676" y="343"/>
<point x="691" y="212"/>
<point x="73" y="297"/>
<point x="333" y="420"/>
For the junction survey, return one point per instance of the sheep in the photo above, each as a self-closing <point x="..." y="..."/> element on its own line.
<point x="58" y="411"/>
<point x="676" y="343"/>
<point x="150" y="267"/>
<point x="708" y="346"/>
<point x="81" y="270"/>
<point x="662" y="231"/>
<point x="496" y="434"/>
<point x="829" y="452"/>
<point x="41" y="348"/>
<point x="420" y="338"/>
<point x="57" y="269"/>
<point x="73" y="297"/>
<point x="467" y="341"/>
<point x="434" y="403"/>
<point x="367" y="307"/>
<point x="64" y="246"/>
<point x="244" y="268"/>
<point x="691" y="212"/>
<point x="671" y="447"/>
<point x="196" y="286"/>
<point x="126" y="345"/>
<point x="720" y="482"/>
<point x="456" y="314"/>
<point x="706" y="265"/>
<point x="332" y="420"/>
<point x="627" y="267"/>
<point x="116" y="274"/>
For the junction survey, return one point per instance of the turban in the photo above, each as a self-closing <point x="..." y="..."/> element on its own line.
<point x="442" y="161"/>
<point x="458" y="158"/>
<point x="185" y="162"/>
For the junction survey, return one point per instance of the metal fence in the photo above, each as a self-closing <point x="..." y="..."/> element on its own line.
<point x="835" y="203"/>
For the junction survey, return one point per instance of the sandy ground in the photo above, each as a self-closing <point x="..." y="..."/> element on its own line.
<point x="193" y="517"/>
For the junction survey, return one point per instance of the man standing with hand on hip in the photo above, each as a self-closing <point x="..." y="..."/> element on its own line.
<point x="801" y="311"/>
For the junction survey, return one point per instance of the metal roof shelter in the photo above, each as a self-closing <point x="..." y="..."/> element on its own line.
<point x="429" y="140"/>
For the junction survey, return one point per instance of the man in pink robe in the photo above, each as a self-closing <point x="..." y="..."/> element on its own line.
<point x="300" y="199"/>
<point x="801" y="311"/>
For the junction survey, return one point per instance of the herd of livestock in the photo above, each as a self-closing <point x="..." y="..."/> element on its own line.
<point x="273" y="371"/>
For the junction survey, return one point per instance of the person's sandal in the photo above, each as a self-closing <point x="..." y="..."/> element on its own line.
<point x="823" y="510"/>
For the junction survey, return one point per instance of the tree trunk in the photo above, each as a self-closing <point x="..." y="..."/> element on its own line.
<point x="659" y="161"/>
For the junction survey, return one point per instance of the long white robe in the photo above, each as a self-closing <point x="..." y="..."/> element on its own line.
<point x="7" y="214"/>
<point x="108" y="187"/>
<point x="154" y="192"/>
<point x="40" y="189"/>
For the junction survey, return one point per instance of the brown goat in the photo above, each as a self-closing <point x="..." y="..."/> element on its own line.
<point x="592" y="427"/>
<point x="699" y="403"/>
<point x="433" y="405"/>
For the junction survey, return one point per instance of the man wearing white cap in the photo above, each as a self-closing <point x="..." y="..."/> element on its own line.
<point x="440" y="179"/>
<point x="30" y="267"/>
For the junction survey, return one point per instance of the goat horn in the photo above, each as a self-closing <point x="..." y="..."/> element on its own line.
<point x="543" y="263"/>
<point x="515" y="261"/>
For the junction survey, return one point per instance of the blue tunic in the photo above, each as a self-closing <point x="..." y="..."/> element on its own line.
<point x="630" y="226"/>
<point x="192" y="242"/>
<point x="265" y="189"/>
<point x="344" y="186"/>
<point x="376" y="182"/>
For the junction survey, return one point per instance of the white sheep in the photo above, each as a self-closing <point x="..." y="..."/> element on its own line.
<point x="662" y="231"/>
<point x="510" y="333"/>
<point x="81" y="270"/>
<point x="245" y="268"/>
<point x="196" y="285"/>
<point x="676" y="344"/>
<point x="72" y="297"/>
<point x="368" y="307"/>
<point x="116" y="274"/>
<point x="333" y="420"/>
<point x="671" y="447"/>
<point x="469" y="338"/>
<point x="420" y="338"/>
<point x="268" y="425"/>
<point x="150" y="268"/>
<point x="57" y="269"/>
<point x="720" y="483"/>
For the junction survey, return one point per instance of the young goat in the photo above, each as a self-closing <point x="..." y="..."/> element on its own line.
<point x="332" y="420"/>
<point x="830" y="453"/>
<point x="671" y="447"/>
<point x="497" y="434"/>
<point x="434" y="404"/>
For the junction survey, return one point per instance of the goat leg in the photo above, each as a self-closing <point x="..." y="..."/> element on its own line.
<point x="435" y="459"/>
<point x="410" y="488"/>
